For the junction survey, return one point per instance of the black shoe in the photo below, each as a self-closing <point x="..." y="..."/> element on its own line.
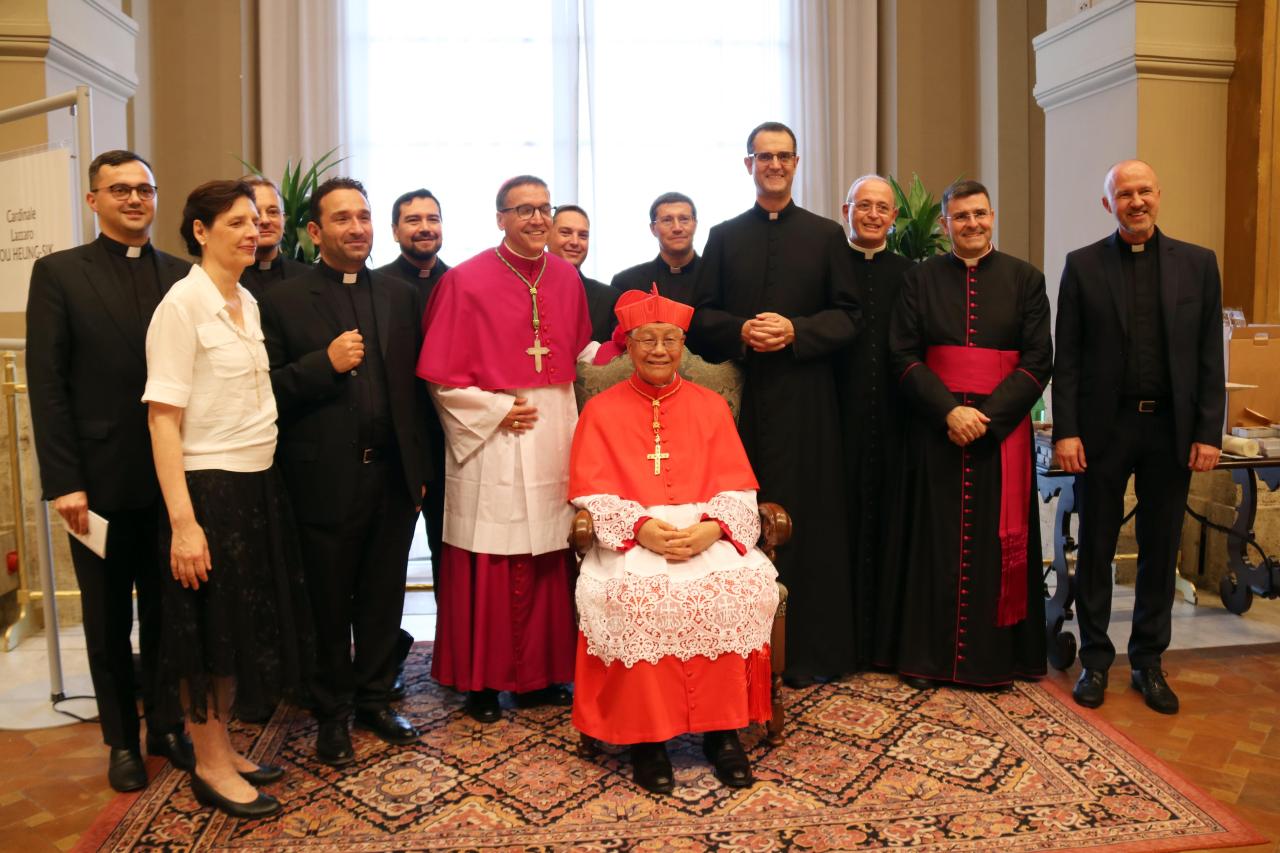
<point x="175" y="746"/>
<point x="1155" y="690"/>
<point x="125" y="770"/>
<point x="483" y="706"/>
<point x="264" y="775"/>
<point x="333" y="743"/>
<point x="556" y="694"/>
<point x="263" y="806"/>
<point x="917" y="682"/>
<point x="398" y="691"/>
<point x="799" y="682"/>
<point x="388" y="725"/>
<point x="724" y="751"/>
<point x="651" y="768"/>
<point x="1091" y="688"/>
<point x="254" y="714"/>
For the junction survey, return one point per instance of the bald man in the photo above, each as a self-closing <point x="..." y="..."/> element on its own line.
<point x="1138" y="389"/>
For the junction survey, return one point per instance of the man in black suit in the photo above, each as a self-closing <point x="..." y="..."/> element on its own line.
<point x="343" y="342"/>
<point x="673" y="219"/>
<point x="270" y="265"/>
<point x="418" y="227"/>
<point x="1138" y="388"/>
<point x="570" y="239"/>
<point x="87" y="317"/>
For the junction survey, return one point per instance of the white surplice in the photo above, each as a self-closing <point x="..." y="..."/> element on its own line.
<point x="505" y="492"/>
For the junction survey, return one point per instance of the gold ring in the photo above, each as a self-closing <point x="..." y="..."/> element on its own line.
<point x="515" y="425"/>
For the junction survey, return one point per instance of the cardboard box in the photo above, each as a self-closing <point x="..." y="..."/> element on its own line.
<point x="1253" y="358"/>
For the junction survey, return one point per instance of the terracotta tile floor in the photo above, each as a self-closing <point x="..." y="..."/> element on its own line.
<point x="1226" y="740"/>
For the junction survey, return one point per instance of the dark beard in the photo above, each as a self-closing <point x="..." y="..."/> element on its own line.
<point x="418" y="255"/>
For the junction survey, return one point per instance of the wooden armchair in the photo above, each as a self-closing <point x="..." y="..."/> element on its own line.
<point x="775" y="531"/>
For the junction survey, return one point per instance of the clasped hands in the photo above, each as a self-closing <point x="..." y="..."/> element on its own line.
<point x="678" y="544"/>
<point x="966" y="425"/>
<point x="768" y="332"/>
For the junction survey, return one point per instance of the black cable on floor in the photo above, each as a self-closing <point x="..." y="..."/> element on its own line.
<point x="72" y="714"/>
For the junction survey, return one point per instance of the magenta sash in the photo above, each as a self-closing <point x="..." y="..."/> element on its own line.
<point x="978" y="370"/>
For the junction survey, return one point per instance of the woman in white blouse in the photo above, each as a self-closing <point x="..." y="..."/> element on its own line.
<point x="235" y="612"/>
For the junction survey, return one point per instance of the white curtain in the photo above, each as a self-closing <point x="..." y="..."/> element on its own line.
<point x="301" y="61"/>
<point x="612" y="102"/>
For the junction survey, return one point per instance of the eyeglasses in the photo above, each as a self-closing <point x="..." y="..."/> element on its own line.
<point x="668" y="221"/>
<point x="650" y="344"/>
<point x="526" y="211"/>
<point x="866" y="207"/>
<point x="121" y="192"/>
<point x="786" y="158"/>
<point x="970" y="216"/>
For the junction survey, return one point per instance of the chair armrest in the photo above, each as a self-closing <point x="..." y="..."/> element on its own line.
<point x="775" y="528"/>
<point x="583" y="533"/>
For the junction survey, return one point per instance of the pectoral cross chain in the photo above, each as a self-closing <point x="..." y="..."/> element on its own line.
<point x="657" y="455"/>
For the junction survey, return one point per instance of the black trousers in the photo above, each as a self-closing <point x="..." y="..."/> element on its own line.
<point x="355" y="571"/>
<point x="1144" y="447"/>
<point x="433" y="518"/>
<point x="106" y="600"/>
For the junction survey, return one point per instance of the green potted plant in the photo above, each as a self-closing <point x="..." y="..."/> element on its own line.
<point x="296" y="187"/>
<point x="917" y="234"/>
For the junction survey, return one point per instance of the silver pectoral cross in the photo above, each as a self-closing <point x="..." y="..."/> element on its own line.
<point x="537" y="351"/>
<point x="657" y="456"/>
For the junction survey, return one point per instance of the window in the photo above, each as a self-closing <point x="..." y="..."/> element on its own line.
<point x="612" y="103"/>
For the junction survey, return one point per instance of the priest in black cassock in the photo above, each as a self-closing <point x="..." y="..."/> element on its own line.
<point x="570" y="239"/>
<point x="870" y="406"/>
<point x="270" y="265"/>
<point x="776" y="291"/>
<point x="673" y="219"/>
<point x="418" y="228"/>
<point x="969" y="345"/>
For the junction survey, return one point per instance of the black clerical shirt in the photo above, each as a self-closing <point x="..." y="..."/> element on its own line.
<point x="422" y="285"/>
<point x="673" y="282"/>
<point x="352" y="304"/>
<point x="137" y="274"/>
<point x="260" y="275"/>
<point x="1146" y="364"/>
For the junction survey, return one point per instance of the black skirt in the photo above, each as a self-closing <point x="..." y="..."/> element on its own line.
<point x="251" y="621"/>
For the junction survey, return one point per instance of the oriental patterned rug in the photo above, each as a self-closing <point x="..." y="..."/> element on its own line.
<point x="868" y="764"/>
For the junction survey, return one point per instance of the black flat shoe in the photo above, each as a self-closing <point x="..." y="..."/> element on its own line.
<point x="388" y="725"/>
<point x="333" y="743"/>
<point x="175" y="746"/>
<point x="651" y="768"/>
<point x="1091" y="688"/>
<point x="125" y="770"/>
<point x="483" y="707"/>
<point x="398" y="691"/>
<point x="556" y="694"/>
<point x="1157" y="693"/>
<point x="724" y="751"/>
<point x="263" y="806"/>
<point x="916" y="682"/>
<point x="264" y="775"/>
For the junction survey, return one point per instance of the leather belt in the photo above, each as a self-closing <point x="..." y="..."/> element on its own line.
<point x="373" y="454"/>
<point x="1147" y="407"/>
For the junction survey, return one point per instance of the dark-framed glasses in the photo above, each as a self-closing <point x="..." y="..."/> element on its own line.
<point x="786" y="158"/>
<point x="979" y="215"/>
<point x="670" y="344"/>
<point x="121" y="192"/>
<point x="526" y="211"/>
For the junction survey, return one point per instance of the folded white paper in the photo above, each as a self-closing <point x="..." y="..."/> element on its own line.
<point x="96" y="539"/>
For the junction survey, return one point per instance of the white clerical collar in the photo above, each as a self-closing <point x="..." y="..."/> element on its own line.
<point x="869" y="254"/>
<point x="973" y="262"/>
<point x="350" y="277"/>
<point x="265" y="266"/>
<point x="424" y="273"/>
<point x="1137" y="247"/>
<point x="133" y="252"/>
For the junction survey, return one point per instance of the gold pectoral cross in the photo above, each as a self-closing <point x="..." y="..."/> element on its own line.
<point x="537" y="351"/>
<point x="657" y="456"/>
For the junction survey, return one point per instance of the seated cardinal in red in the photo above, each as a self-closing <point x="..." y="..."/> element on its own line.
<point x="675" y="602"/>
